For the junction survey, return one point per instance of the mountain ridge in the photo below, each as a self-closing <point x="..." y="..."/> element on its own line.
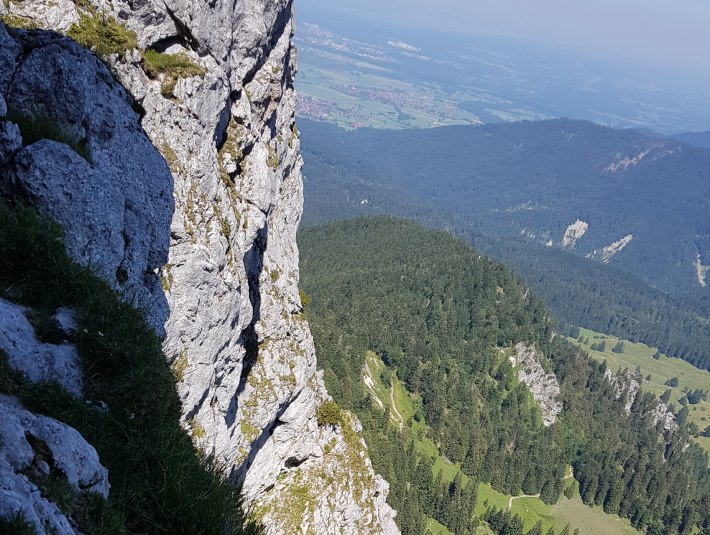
<point x="511" y="215"/>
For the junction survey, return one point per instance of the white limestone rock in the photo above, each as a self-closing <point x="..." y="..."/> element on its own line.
<point x="22" y="435"/>
<point x="236" y="332"/>
<point x="36" y="360"/>
<point x="626" y="385"/>
<point x="57" y="15"/>
<point x="543" y="386"/>
<point x="249" y="388"/>
<point x="66" y="320"/>
<point x="316" y="494"/>
<point x="115" y="208"/>
<point x="574" y="233"/>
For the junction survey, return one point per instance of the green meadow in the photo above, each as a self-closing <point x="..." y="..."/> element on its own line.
<point x="655" y="373"/>
<point x="589" y="520"/>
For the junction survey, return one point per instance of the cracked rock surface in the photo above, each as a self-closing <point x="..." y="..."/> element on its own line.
<point x="117" y="206"/>
<point x="37" y="361"/>
<point x="236" y="333"/>
<point x="31" y="443"/>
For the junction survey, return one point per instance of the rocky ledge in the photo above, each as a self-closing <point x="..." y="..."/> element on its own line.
<point x="202" y="238"/>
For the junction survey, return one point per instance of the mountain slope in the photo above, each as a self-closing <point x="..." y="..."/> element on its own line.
<point x="483" y="370"/>
<point x="539" y="178"/>
<point x="423" y="174"/>
<point x="697" y="139"/>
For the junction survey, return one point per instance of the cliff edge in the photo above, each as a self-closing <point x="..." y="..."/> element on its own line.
<point x="207" y="248"/>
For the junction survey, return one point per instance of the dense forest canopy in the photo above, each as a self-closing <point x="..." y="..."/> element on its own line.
<point x="477" y="182"/>
<point x="443" y="319"/>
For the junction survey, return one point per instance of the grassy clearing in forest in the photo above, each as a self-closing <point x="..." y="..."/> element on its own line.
<point x="589" y="520"/>
<point x="531" y="510"/>
<point x="660" y="370"/>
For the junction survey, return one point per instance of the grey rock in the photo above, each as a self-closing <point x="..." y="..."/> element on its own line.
<point x="10" y="141"/>
<point x="3" y="106"/>
<point x="9" y="52"/>
<point x="543" y="386"/>
<point x="232" y="276"/>
<point x="37" y="361"/>
<point x="56" y="15"/>
<point x="626" y="385"/>
<point x="66" y="319"/>
<point x="70" y="455"/>
<point x="248" y="382"/>
<point x="43" y="467"/>
<point x="116" y="210"/>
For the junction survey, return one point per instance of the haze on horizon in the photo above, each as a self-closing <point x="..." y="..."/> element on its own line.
<point x="670" y="37"/>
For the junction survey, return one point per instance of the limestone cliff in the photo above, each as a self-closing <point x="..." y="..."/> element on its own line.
<point x="543" y="386"/>
<point x="626" y="385"/>
<point x="212" y="86"/>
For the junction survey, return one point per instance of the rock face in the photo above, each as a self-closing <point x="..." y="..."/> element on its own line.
<point x="543" y="386"/>
<point x="236" y="333"/>
<point x="40" y="445"/>
<point x="115" y="208"/>
<point x="37" y="361"/>
<point x="573" y="233"/>
<point x="627" y="384"/>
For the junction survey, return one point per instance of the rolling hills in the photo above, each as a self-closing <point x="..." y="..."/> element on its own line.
<point x="543" y="197"/>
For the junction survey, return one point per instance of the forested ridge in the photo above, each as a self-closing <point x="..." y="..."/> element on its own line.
<point x="443" y="319"/>
<point x="440" y="185"/>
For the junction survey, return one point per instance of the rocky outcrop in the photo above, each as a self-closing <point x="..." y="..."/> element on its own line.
<point x="573" y="233"/>
<point x="543" y="386"/>
<point x="115" y="200"/>
<point x="236" y="334"/>
<point x="39" y="362"/>
<point x="32" y="447"/>
<point x="605" y="254"/>
<point x="626" y="385"/>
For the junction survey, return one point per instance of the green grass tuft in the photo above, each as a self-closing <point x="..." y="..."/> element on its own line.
<point x="160" y="484"/>
<point x="34" y="128"/>
<point x="102" y="34"/>
<point x="16" y="525"/>
<point x="168" y="68"/>
<point x="18" y="21"/>
<point x="329" y="413"/>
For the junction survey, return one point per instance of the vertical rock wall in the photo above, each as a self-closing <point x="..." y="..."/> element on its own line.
<point x="236" y="334"/>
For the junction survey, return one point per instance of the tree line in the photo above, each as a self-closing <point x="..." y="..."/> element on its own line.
<point x="442" y="317"/>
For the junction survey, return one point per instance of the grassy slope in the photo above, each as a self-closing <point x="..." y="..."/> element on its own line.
<point x="660" y="371"/>
<point x="572" y="512"/>
<point x="159" y="482"/>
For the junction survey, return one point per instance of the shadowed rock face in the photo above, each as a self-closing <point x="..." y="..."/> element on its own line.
<point x="116" y="208"/>
<point x="235" y="333"/>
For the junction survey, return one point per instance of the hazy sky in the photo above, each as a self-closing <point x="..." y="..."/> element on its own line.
<point x="663" y="33"/>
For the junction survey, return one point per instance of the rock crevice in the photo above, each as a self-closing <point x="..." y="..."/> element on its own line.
<point x="236" y="334"/>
